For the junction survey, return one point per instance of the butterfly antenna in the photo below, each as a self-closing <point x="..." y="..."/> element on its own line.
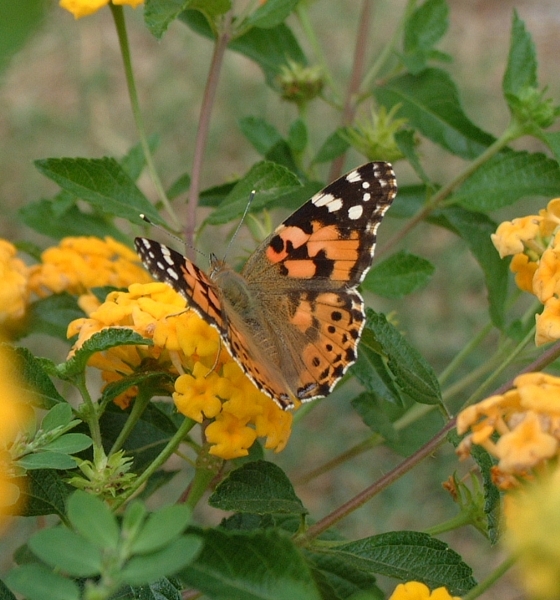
<point x="251" y="198"/>
<point x="171" y="235"/>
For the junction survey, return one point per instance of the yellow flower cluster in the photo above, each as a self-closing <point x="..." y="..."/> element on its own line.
<point x="534" y="243"/>
<point x="414" y="590"/>
<point x="78" y="264"/>
<point x="526" y="420"/>
<point x="532" y="535"/>
<point x="210" y="384"/>
<point x="15" y="412"/>
<point x="83" y="8"/>
<point x="14" y="291"/>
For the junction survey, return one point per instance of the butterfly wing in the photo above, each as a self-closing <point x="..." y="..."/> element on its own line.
<point x="171" y="267"/>
<point x="310" y="268"/>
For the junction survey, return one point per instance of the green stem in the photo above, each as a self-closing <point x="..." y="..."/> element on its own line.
<point x="478" y="590"/>
<point x="207" y="467"/>
<point x="389" y="48"/>
<point x="460" y="357"/>
<point x="303" y="16"/>
<point x="118" y="17"/>
<point x="460" y="520"/>
<point x="511" y="356"/>
<point x="169" y="449"/>
<point x="138" y="407"/>
<point x="89" y="412"/>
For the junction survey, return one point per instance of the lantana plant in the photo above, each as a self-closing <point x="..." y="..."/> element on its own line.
<point x="151" y="466"/>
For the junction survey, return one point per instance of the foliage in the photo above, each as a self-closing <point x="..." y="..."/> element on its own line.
<point x="95" y="464"/>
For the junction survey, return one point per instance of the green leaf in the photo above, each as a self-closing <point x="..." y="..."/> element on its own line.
<point x="258" y="487"/>
<point x="412" y="373"/>
<point x="162" y="589"/>
<point x="159" y="14"/>
<point x="475" y="229"/>
<point x="180" y="186"/>
<point x="399" y="275"/>
<point x="148" y="568"/>
<point x="492" y="506"/>
<point x="342" y="579"/>
<point x="270" y="13"/>
<point x="521" y="70"/>
<point x="372" y="371"/>
<point x="334" y="146"/>
<point x="154" y="380"/>
<point x="59" y="416"/>
<point x="103" y="183"/>
<point x="36" y="379"/>
<point x="51" y="315"/>
<point x="65" y="550"/>
<point x="406" y="141"/>
<point x="260" y="133"/>
<point x="430" y="102"/>
<point x="5" y="593"/>
<point x="44" y="493"/>
<point x="269" y="48"/>
<point x="47" y="460"/>
<point x="19" y="21"/>
<point x="161" y="528"/>
<point x="552" y="140"/>
<point x="370" y="409"/>
<point x="268" y="179"/>
<point x="92" y="519"/>
<point x="258" y="565"/>
<point x="36" y="582"/>
<point x="508" y="177"/>
<point x="423" y="29"/>
<point x="409" y="201"/>
<point x="134" y="160"/>
<point x="44" y="217"/>
<point x="409" y="556"/>
<point x="108" y="338"/>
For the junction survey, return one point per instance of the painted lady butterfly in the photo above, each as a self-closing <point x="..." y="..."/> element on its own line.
<point x="293" y="317"/>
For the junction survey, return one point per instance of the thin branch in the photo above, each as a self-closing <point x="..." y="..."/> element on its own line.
<point x="355" y="79"/>
<point x="208" y="99"/>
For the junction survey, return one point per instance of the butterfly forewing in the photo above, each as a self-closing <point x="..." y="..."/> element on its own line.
<point x="294" y="321"/>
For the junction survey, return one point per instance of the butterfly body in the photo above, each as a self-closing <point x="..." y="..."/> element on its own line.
<point x="293" y="317"/>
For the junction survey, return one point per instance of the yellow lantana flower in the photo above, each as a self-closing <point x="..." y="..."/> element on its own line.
<point x="526" y="420"/>
<point x="532" y="533"/>
<point x="414" y="590"/>
<point x="84" y="8"/>
<point x="210" y="384"/>
<point x="15" y="412"/>
<point x="78" y="264"/>
<point x="14" y="291"/>
<point x="534" y="242"/>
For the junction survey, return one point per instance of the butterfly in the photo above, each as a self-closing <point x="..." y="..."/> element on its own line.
<point x="293" y="317"/>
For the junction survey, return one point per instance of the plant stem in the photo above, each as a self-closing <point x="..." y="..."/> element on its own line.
<point x="459" y="520"/>
<point x="208" y="99"/>
<point x="118" y="17"/>
<point x="490" y="580"/>
<point x="89" y="412"/>
<point x="467" y="349"/>
<point x="169" y="449"/>
<point x="139" y="405"/>
<point x="349" y="109"/>
<point x="359" y="500"/>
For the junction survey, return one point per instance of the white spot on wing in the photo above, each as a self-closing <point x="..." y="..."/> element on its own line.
<point x="355" y="212"/>
<point x="322" y="199"/>
<point x="335" y="204"/>
<point x="353" y="177"/>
